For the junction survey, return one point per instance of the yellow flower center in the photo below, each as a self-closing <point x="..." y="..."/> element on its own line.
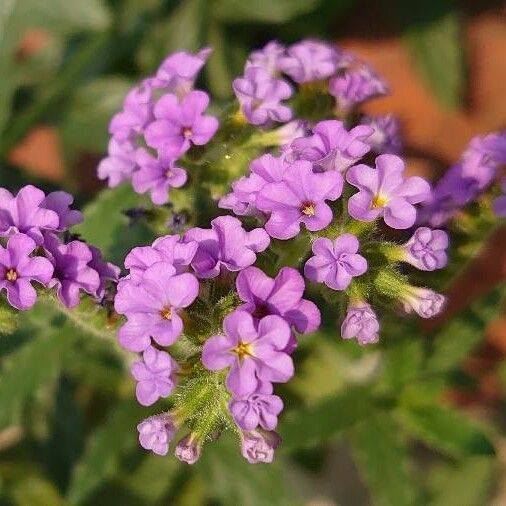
<point x="243" y="350"/>
<point x="166" y="313"/>
<point x="379" y="201"/>
<point x="11" y="275"/>
<point x="308" y="208"/>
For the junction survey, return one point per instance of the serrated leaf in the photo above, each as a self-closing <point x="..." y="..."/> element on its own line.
<point x="382" y="461"/>
<point x="309" y="426"/>
<point x="262" y="11"/>
<point x="459" y="336"/>
<point x="446" y="430"/>
<point x="105" y="448"/>
<point x="233" y="481"/>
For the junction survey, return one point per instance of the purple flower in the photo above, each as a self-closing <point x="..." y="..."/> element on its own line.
<point x="26" y="213"/>
<point x="157" y="175"/>
<point x="168" y="248"/>
<point x="386" y="138"/>
<point x="18" y="269"/>
<point x="254" y="353"/>
<point x="335" y="263"/>
<point x="356" y="85"/>
<point x="299" y="199"/>
<point x="260" y="96"/>
<point x="332" y="146"/>
<point x="261" y="408"/>
<point x="181" y="123"/>
<point x="281" y="296"/>
<point x="385" y="191"/>
<point x="500" y="202"/>
<point x="72" y="271"/>
<point x="258" y="446"/>
<point x="178" y="71"/>
<point x="424" y="302"/>
<point x="155" y="376"/>
<point x="361" y="324"/>
<point x="426" y="249"/>
<point x="309" y="60"/>
<point x="137" y="112"/>
<point x="225" y="245"/>
<point x="60" y="203"/>
<point x="156" y="432"/>
<point x="119" y="165"/>
<point x="267" y="58"/>
<point x="188" y="450"/>
<point x="106" y="271"/>
<point x="152" y="306"/>
<point x="242" y="200"/>
<point x="287" y="133"/>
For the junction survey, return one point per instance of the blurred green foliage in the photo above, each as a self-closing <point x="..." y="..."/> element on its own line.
<point x="68" y="415"/>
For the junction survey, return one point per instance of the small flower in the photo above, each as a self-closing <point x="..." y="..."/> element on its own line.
<point x="332" y="147"/>
<point x="168" y="248"/>
<point x="156" y="432"/>
<point x="261" y="408"/>
<point x="299" y="199"/>
<point x="258" y="447"/>
<point x="260" y="96"/>
<point x="290" y="131"/>
<point x="309" y="60"/>
<point x="500" y="202"/>
<point x="188" y="450"/>
<point x="360" y="323"/>
<point x="253" y="353"/>
<point x="424" y="302"/>
<point x="384" y="191"/>
<point x="426" y="250"/>
<point x="137" y="112"/>
<point x="60" y="203"/>
<point x="181" y="123"/>
<point x="18" y="269"/>
<point x="178" y="71"/>
<point x="335" y="263"/>
<point x="267" y="58"/>
<point x="386" y="138"/>
<point x="72" y="271"/>
<point x="119" y="164"/>
<point x="152" y="306"/>
<point x="357" y="84"/>
<point x="25" y="213"/>
<point x="265" y="169"/>
<point x="225" y="245"/>
<point x="155" y="376"/>
<point x="106" y="271"/>
<point x="157" y="175"/>
<point x="281" y="296"/>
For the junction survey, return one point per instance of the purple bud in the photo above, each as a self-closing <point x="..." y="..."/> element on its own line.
<point x="258" y="446"/>
<point x="187" y="450"/>
<point x="426" y="250"/>
<point x="361" y="323"/>
<point x="424" y="302"/>
<point x="156" y="432"/>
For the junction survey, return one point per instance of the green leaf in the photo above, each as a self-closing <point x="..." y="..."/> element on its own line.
<point x="89" y="112"/>
<point x="463" y="332"/>
<point x="446" y="430"/>
<point x="107" y="228"/>
<point x="35" y="364"/>
<point x="233" y="481"/>
<point x="35" y="491"/>
<point x="309" y="426"/>
<point x="8" y="318"/>
<point x="469" y="483"/>
<point x="434" y="34"/>
<point x="104" y="452"/>
<point x="262" y="11"/>
<point x="382" y="461"/>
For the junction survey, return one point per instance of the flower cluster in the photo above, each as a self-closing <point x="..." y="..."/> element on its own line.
<point x="215" y="313"/>
<point x="161" y="119"/>
<point x="40" y="249"/>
